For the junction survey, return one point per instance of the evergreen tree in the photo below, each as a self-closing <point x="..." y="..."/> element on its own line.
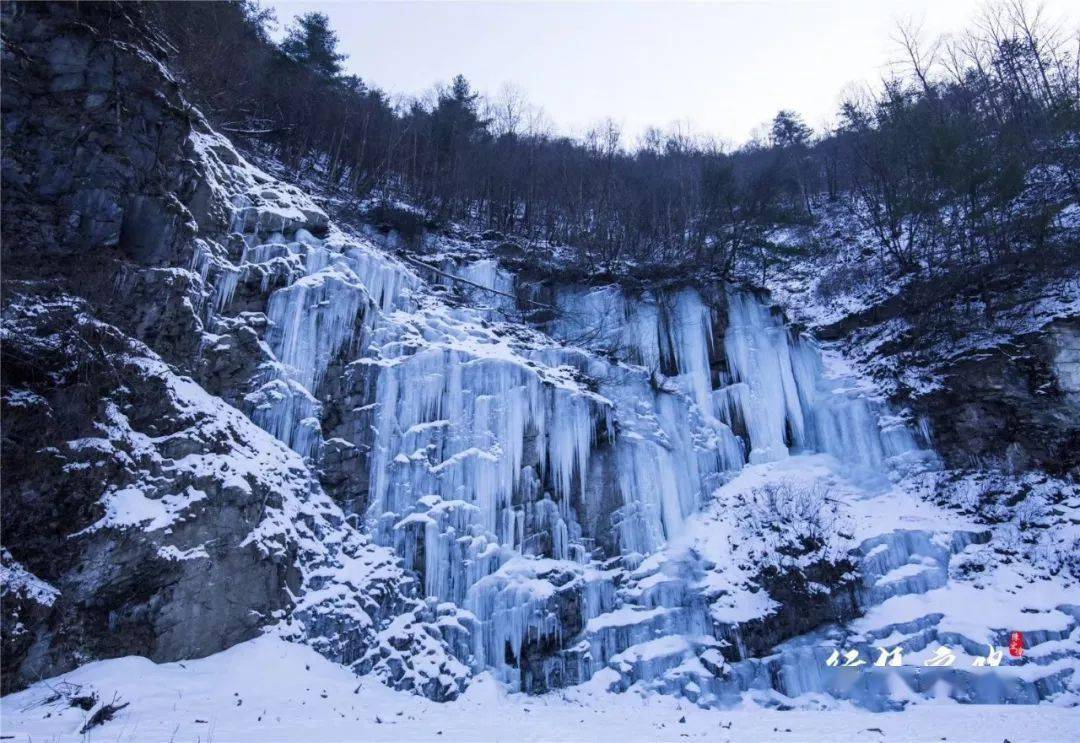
<point x="790" y="135"/>
<point x="788" y="129"/>
<point x="457" y="114"/>
<point x="456" y="125"/>
<point x="311" y="42"/>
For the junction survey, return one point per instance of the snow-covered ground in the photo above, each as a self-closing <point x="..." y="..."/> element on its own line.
<point x="270" y="690"/>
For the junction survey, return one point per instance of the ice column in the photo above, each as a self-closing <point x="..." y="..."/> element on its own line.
<point x="313" y="320"/>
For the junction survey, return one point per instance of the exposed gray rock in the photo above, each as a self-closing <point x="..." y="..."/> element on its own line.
<point x="96" y="172"/>
<point x="1016" y="405"/>
<point x="148" y="504"/>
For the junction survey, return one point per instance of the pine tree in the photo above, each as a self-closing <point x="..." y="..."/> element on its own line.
<point x="788" y="129"/>
<point x="458" y="109"/>
<point x="311" y="42"/>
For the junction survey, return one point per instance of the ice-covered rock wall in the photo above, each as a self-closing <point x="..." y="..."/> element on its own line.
<point x="534" y="476"/>
<point x="490" y="444"/>
<point x="763" y="392"/>
<point x="549" y="481"/>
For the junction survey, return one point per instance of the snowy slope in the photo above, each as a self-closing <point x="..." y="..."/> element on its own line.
<point x="233" y="696"/>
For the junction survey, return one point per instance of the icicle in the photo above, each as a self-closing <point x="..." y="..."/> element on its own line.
<point x="313" y="320"/>
<point x="201" y="260"/>
<point x="225" y="289"/>
<point x="759" y="355"/>
<point x="385" y="280"/>
<point x="315" y="258"/>
<point x="569" y="443"/>
<point x="783" y="398"/>
<point x="287" y="411"/>
<point x="691" y="338"/>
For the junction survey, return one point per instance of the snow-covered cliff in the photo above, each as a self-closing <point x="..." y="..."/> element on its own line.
<point x="232" y="416"/>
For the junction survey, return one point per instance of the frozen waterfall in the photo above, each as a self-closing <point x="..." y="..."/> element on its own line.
<point x="507" y="465"/>
<point x="776" y="387"/>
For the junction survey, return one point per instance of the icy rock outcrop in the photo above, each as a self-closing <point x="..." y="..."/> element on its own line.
<point x="419" y="651"/>
<point x="182" y="528"/>
<point x="469" y="443"/>
<point x="895" y="566"/>
<point x="526" y="609"/>
<point x="708" y="672"/>
<point x="27" y="603"/>
<point x="168" y="523"/>
<point x="1017" y="405"/>
<point x="360" y="608"/>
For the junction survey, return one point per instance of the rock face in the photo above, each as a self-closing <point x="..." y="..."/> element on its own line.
<point x="992" y="376"/>
<point x="225" y="414"/>
<point x="101" y="170"/>
<point x="101" y="437"/>
<point x="1017" y="404"/>
<point x="141" y="515"/>
<point x="100" y="190"/>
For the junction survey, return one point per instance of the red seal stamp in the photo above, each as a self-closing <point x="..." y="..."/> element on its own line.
<point x="1016" y="644"/>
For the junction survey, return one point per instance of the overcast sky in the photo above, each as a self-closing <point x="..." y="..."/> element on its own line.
<point x="725" y="67"/>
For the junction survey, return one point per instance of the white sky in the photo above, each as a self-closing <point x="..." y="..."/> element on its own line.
<point x="724" y="67"/>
